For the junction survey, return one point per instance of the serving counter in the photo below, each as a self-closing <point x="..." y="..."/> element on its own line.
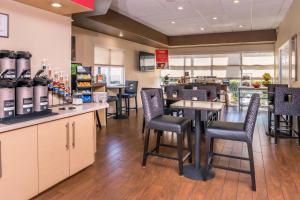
<point x="37" y="154"/>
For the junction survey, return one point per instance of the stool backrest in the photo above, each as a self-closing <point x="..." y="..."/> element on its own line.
<point x="190" y="94"/>
<point x="161" y="92"/>
<point x="211" y="88"/>
<point x="251" y="116"/>
<point x="152" y="104"/>
<point x="271" y="90"/>
<point x="131" y="87"/>
<point x="171" y="89"/>
<point x="287" y="101"/>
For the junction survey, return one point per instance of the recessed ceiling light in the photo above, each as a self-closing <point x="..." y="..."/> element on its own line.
<point x="56" y="5"/>
<point x="121" y="34"/>
<point x="236" y="1"/>
<point x="173" y="22"/>
<point x="202" y="29"/>
<point x="241" y="26"/>
<point x="215" y="18"/>
<point x="180" y="8"/>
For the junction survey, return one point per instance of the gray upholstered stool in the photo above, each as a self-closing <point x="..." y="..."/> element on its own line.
<point x="156" y="120"/>
<point x="235" y="131"/>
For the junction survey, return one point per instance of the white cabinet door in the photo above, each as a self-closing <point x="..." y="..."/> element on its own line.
<point x="82" y="142"/>
<point x="18" y="164"/>
<point x="53" y="152"/>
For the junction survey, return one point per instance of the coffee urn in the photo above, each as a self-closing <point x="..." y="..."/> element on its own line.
<point x="7" y="96"/>
<point x="8" y="62"/>
<point x="24" y="95"/>
<point x="23" y="63"/>
<point x="40" y="92"/>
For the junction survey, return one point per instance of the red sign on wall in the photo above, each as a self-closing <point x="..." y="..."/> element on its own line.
<point x="85" y="3"/>
<point x="162" y="58"/>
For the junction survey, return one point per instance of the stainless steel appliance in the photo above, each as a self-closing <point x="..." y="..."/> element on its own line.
<point x="8" y="62"/>
<point x="40" y="92"/>
<point x="23" y="63"/>
<point x="24" y="95"/>
<point x="7" y="96"/>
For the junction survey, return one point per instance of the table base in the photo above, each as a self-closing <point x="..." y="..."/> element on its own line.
<point x="121" y="117"/>
<point x="190" y="172"/>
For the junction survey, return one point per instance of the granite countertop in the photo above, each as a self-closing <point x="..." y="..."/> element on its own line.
<point x="79" y="109"/>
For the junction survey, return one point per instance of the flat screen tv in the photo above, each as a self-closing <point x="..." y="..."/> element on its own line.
<point x="146" y="61"/>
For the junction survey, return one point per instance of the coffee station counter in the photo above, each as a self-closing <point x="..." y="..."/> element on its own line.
<point x="39" y="153"/>
<point x="79" y="109"/>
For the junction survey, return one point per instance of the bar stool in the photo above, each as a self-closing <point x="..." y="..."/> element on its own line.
<point x="287" y="102"/>
<point x="170" y="91"/>
<point x="271" y="97"/>
<point x="156" y="120"/>
<point x="199" y="95"/>
<point x="130" y="92"/>
<point x="234" y="131"/>
<point x="111" y="99"/>
<point x="167" y="110"/>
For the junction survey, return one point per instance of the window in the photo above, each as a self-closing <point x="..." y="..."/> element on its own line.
<point x="112" y="74"/>
<point x="260" y="58"/>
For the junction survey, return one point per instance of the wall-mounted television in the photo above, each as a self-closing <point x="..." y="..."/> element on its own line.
<point x="146" y="61"/>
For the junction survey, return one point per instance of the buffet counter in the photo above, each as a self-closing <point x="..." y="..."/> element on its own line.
<point x="37" y="154"/>
<point x="79" y="109"/>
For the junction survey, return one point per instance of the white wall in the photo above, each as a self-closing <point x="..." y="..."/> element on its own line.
<point x="86" y="41"/>
<point x="287" y="29"/>
<point x="44" y="34"/>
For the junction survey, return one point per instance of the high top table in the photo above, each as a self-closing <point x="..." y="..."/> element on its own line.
<point x="119" y="114"/>
<point x="194" y="171"/>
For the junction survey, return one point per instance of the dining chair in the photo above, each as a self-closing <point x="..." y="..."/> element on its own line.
<point x="235" y="131"/>
<point x="271" y="98"/>
<point x="130" y="92"/>
<point x="199" y="95"/>
<point x="286" y="102"/>
<point x="172" y="90"/>
<point x="167" y="111"/>
<point x="156" y="120"/>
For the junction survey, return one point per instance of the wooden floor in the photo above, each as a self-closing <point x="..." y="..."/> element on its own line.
<point x="117" y="172"/>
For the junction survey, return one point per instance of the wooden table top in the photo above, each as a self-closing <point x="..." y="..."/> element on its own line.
<point x="198" y="105"/>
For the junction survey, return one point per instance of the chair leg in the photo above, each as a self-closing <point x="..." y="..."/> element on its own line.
<point x="252" y="169"/>
<point x="143" y="130"/>
<point x="158" y="137"/>
<point x="277" y="121"/>
<point x="298" y="123"/>
<point x="211" y="150"/>
<point x="146" y="148"/>
<point x="136" y="106"/>
<point x="190" y="145"/>
<point x="269" y="121"/>
<point x="128" y="106"/>
<point x="290" y="125"/>
<point x="208" y="154"/>
<point x="180" y="152"/>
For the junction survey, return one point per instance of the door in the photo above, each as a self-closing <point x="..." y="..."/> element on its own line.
<point x="19" y="164"/>
<point x="82" y="142"/>
<point x="53" y="152"/>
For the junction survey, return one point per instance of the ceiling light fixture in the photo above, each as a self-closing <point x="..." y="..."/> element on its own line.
<point x="241" y="26"/>
<point x="180" y="8"/>
<point x="236" y="1"/>
<point x="202" y="29"/>
<point x="173" y="22"/>
<point x="121" y="34"/>
<point x="215" y="18"/>
<point x="56" y="5"/>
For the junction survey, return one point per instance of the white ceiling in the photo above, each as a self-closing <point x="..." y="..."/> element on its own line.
<point x="158" y="14"/>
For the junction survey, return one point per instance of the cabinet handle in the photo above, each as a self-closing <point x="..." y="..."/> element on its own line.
<point x="67" y="136"/>
<point x="73" y="131"/>
<point x="0" y="161"/>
